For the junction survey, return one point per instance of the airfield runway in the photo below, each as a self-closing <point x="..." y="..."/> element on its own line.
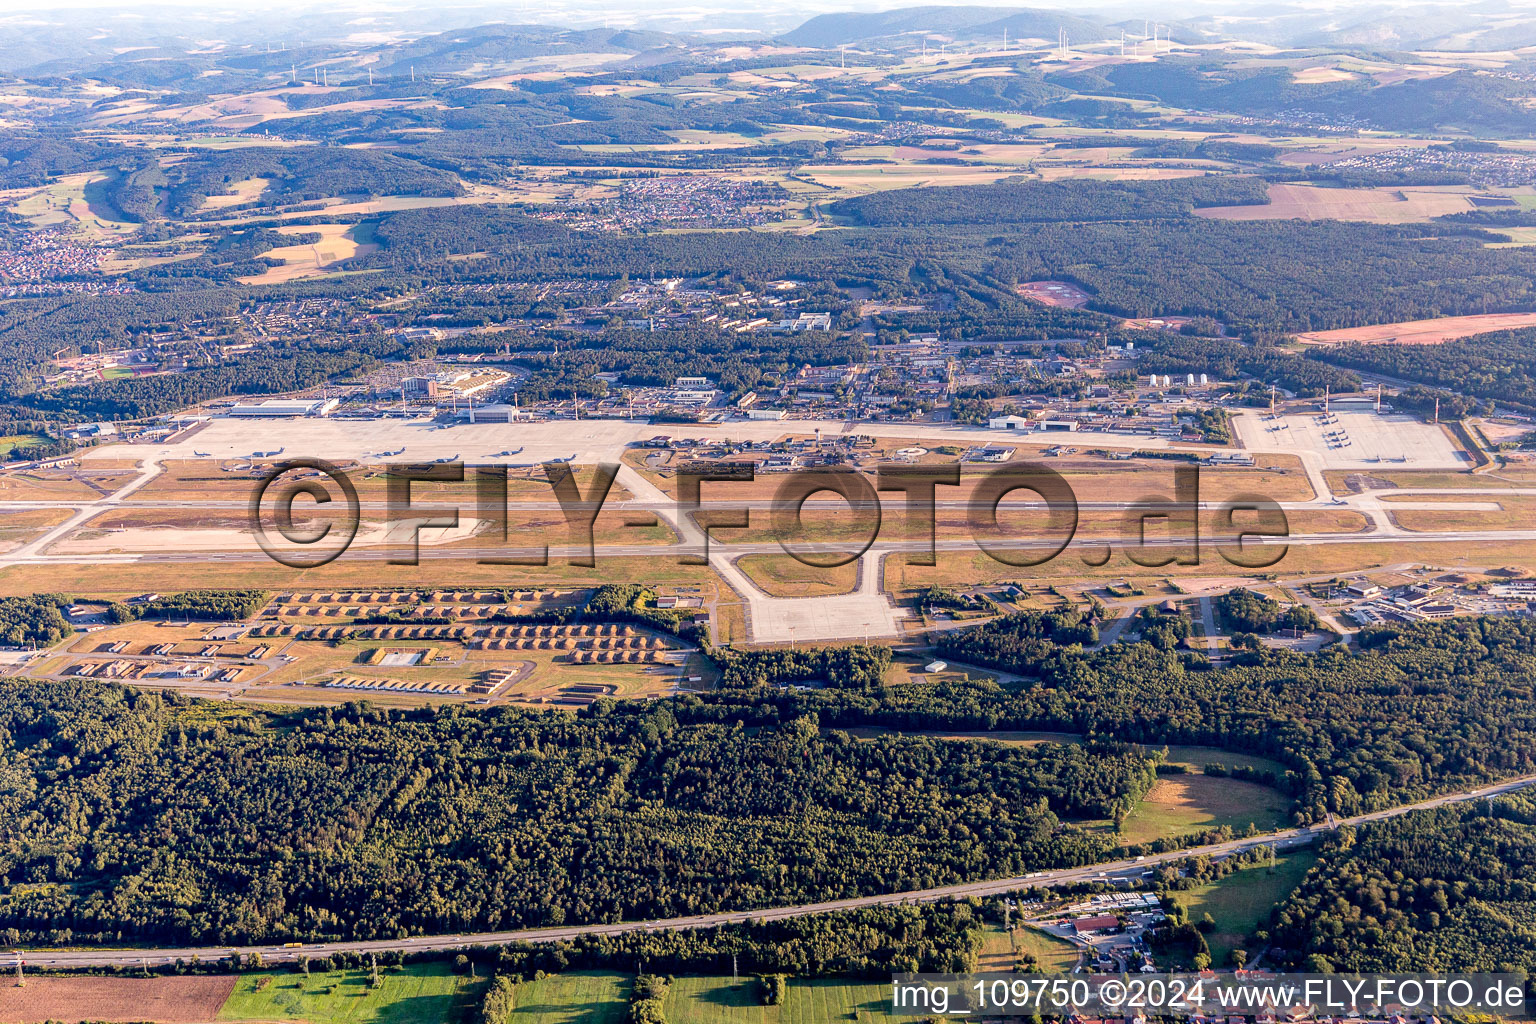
<point x="1348" y="440"/>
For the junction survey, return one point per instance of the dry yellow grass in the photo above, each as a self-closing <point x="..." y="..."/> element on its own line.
<point x="956" y="569"/>
<point x="783" y="576"/>
<point x="127" y="579"/>
<point x="17" y="528"/>
<point x="1181" y="804"/>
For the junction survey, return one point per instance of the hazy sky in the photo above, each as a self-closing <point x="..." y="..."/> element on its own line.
<point x="509" y="11"/>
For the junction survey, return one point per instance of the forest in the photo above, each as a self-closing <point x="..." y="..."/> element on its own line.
<point x="1017" y="641"/>
<point x="1277" y="276"/>
<point x="1449" y="889"/>
<point x="178" y="189"/>
<point x="1247" y="611"/>
<point x="35" y="620"/>
<point x="1499" y="366"/>
<point x="352" y="821"/>
<point x="1464" y="98"/>
<point x="1414" y="711"/>
<point x="141" y="815"/>
<point x="1054" y="201"/>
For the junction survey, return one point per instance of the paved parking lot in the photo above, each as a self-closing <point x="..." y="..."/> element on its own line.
<point x="1353" y="440"/>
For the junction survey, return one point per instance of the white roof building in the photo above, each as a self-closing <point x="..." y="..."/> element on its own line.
<point x="285" y="408"/>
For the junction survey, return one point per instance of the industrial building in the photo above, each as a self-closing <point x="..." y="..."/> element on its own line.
<point x="285" y="408"/>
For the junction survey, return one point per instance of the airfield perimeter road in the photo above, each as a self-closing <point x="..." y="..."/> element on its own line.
<point x="1283" y="839"/>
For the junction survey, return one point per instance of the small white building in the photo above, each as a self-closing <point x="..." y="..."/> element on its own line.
<point x="1009" y="423"/>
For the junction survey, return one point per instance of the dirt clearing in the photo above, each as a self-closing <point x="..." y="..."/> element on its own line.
<point x="1054" y="293"/>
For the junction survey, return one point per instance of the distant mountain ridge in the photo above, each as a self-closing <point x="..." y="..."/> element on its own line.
<point x="957" y="22"/>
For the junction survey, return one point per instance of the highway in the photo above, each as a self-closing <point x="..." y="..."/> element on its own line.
<point x="1283" y="839"/>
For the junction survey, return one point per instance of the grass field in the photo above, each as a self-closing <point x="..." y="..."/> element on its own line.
<point x="1179" y="804"/>
<point x="1002" y="950"/>
<point x="10" y="441"/>
<point x="1241" y="902"/>
<point x="18" y="528"/>
<point x="587" y="997"/>
<point x="965" y="569"/>
<point x="1092" y="478"/>
<point x="420" y="994"/>
<point x="47" y="485"/>
<point x="1511" y="475"/>
<point x="1196" y="758"/>
<point x="125" y="579"/>
<point x="601" y="997"/>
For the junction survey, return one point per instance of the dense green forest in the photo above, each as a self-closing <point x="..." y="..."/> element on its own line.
<point x="1277" y="276"/>
<point x="1416" y="710"/>
<point x="1053" y="201"/>
<point x="1500" y="366"/>
<point x="132" y="814"/>
<point x="141" y="815"/>
<point x="1464" y="98"/>
<point x="1247" y="611"/>
<point x="1444" y="890"/>
<point x="38" y="619"/>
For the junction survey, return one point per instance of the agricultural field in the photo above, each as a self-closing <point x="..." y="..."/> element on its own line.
<point x="1371" y="205"/>
<point x="337" y="244"/>
<point x="75" y="202"/>
<point x="170" y="1000"/>
<point x="1421" y="332"/>
<point x="1051" y="953"/>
